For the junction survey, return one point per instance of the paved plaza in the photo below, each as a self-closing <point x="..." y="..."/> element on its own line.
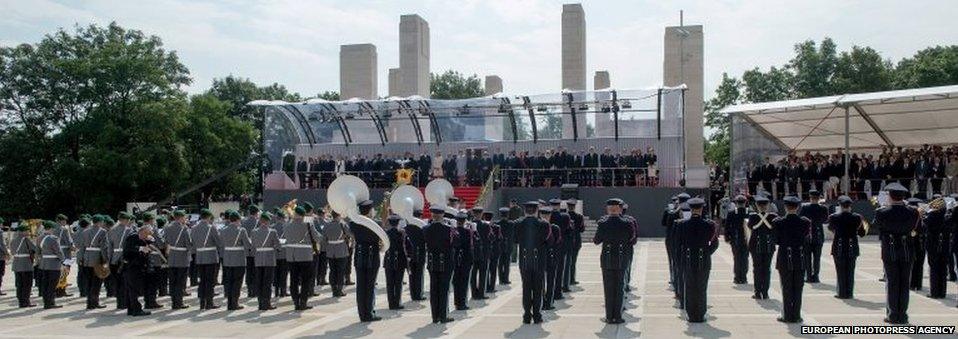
<point x="651" y="310"/>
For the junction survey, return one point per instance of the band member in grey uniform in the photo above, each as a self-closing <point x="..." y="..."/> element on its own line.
<point x="116" y="236"/>
<point x="249" y="224"/>
<point x="302" y="241"/>
<point x="62" y="232"/>
<point x="266" y="242"/>
<point x="93" y="252"/>
<point x="207" y="245"/>
<point x="236" y="246"/>
<point x="51" y="261"/>
<point x="337" y="238"/>
<point x="24" y="250"/>
<point x="281" y="279"/>
<point x="896" y="222"/>
<point x="179" y="241"/>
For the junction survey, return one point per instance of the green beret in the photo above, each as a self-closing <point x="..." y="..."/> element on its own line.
<point x="148" y="216"/>
<point x="61" y="217"/>
<point x="233" y="216"/>
<point x="280" y="214"/>
<point x="124" y="216"/>
<point x="307" y="206"/>
<point x="160" y="222"/>
<point x="85" y="216"/>
<point x="47" y="225"/>
<point x="205" y="213"/>
<point x="253" y="209"/>
<point x="179" y="213"/>
<point x="84" y="223"/>
<point x="97" y="218"/>
<point x="266" y="216"/>
<point x="300" y="210"/>
<point x="109" y="220"/>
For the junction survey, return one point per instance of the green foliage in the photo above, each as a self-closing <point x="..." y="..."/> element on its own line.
<point x="818" y="69"/>
<point x="454" y="85"/>
<point x="329" y="95"/>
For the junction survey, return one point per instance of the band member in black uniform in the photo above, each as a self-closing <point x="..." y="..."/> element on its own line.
<point x="847" y="226"/>
<point x="507" y="245"/>
<point x="635" y="232"/>
<point x="578" y="226"/>
<point x="531" y="235"/>
<point x="480" y="276"/>
<point x="463" y="262"/>
<point x="494" y="249"/>
<point x="674" y="214"/>
<point x="938" y="244"/>
<point x="366" y="262"/>
<point x="791" y="233"/>
<point x="613" y="233"/>
<point x="918" y="239"/>
<point x="735" y="237"/>
<point x="560" y="217"/>
<point x="136" y="254"/>
<point x="817" y="214"/>
<point x="394" y="263"/>
<point x="416" y="252"/>
<point x="439" y="243"/>
<point x="761" y="245"/>
<point x="553" y="257"/>
<point x="699" y="239"/>
<point x="895" y="223"/>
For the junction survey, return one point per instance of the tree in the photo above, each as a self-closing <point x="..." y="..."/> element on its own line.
<point x="717" y="146"/>
<point x="862" y="70"/>
<point x="812" y="67"/>
<point x="933" y="66"/>
<point x="239" y="91"/>
<point x="217" y="141"/>
<point x="453" y="85"/>
<point x="329" y="95"/>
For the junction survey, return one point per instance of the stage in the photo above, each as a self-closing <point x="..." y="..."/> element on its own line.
<point x="651" y="312"/>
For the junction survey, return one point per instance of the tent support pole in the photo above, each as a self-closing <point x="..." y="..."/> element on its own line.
<point x="847" y="157"/>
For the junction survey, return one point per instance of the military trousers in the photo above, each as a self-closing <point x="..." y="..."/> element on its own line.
<point x="613" y="293"/>
<point x="207" y="276"/>
<point x="366" y="289"/>
<point x="533" y="284"/>
<point x="92" y="285"/>
<point x="394" y="278"/>
<point x="48" y="286"/>
<point x="897" y="275"/>
<point x="813" y="261"/>
<point x="479" y="277"/>
<point x="178" y="277"/>
<point x="264" y="285"/>
<point x="739" y="261"/>
<point x="845" y="272"/>
<point x="416" y="280"/>
<point x="251" y="288"/>
<point x="151" y="288"/>
<point x="696" y="288"/>
<point x="82" y="279"/>
<point x="301" y="282"/>
<point x="761" y="272"/>
<point x="460" y="285"/>
<point x="116" y="275"/>
<point x="492" y="267"/>
<point x="439" y="294"/>
<point x="918" y="267"/>
<point x="792" y="283"/>
<point x="505" y="259"/>
<point x="937" y="275"/>
<point x="232" y="285"/>
<point x="23" y="282"/>
<point x="134" y="281"/>
<point x="337" y="274"/>
<point x="280" y="281"/>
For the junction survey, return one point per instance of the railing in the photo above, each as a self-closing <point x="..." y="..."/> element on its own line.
<point x="487" y="188"/>
<point x="858" y="188"/>
<point x="375" y="179"/>
<point x="598" y="176"/>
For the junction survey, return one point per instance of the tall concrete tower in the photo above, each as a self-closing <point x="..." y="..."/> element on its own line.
<point x="358" y="79"/>
<point x="603" y="121"/>
<point x="493" y="125"/>
<point x="573" y="61"/>
<point x="413" y="74"/>
<point x="683" y="64"/>
<point x="394" y="82"/>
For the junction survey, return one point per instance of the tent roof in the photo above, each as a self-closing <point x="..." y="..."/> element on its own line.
<point x="892" y="118"/>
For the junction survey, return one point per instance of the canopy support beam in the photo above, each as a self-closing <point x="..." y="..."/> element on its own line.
<point x="847" y="155"/>
<point x="764" y="132"/>
<point x="872" y="124"/>
<point x="532" y="118"/>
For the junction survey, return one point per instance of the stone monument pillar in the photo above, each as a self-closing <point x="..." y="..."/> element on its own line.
<point x="603" y="121"/>
<point x="358" y="79"/>
<point x="684" y="64"/>
<point x="573" y="62"/>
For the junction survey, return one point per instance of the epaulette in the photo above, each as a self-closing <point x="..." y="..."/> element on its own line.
<point x="603" y="218"/>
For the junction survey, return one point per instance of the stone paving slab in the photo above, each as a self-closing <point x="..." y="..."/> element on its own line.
<point x="651" y="310"/>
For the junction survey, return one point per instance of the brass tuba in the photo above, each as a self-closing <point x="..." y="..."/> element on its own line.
<point x="438" y="192"/>
<point x="344" y="195"/>
<point x="404" y="200"/>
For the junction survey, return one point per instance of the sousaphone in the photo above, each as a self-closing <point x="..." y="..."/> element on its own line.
<point x="344" y="195"/>
<point x="404" y="201"/>
<point x="438" y="192"/>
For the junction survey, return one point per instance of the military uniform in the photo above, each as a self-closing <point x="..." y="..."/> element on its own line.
<point x="553" y="263"/>
<point x="735" y="237"/>
<point x="439" y="240"/>
<point x="235" y="250"/>
<point x="563" y="220"/>
<point x="938" y="244"/>
<point x="24" y="250"/>
<point x="761" y="246"/>
<point x="614" y="234"/>
<point x="93" y="252"/>
<point x="918" y="239"/>
<point x="508" y="229"/>
<point x="281" y="278"/>
<point x="394" y="266"/>
<point x="367" y="268"/>
<point x="532" y="234"/>
<point x="267" y="247"/>
<point x="847" y="227"/>
<point x="895" y="224"/>
<point x="817" y="214"/>
<point x="337" y="237"/>
<point x="300" y="239"/>
<point x="207" y="245"/>
<point x="249" y="224"/>
<point x="156" y="272"/>
<point x="135" y="264"/>
<point x="416" y="252"/>
<point x="116" y="236"/>
<point x="578" y="226"/>
<point x="51" y="261"/>
<point x="179" y="242"/>
<point x="463" y="258"/>
<point x="321" y="259"/>
<point x="699" y="239"/>
<point x="66" y="247"/>
<point x="495" y="252"/>
<point x="791" y="233"/>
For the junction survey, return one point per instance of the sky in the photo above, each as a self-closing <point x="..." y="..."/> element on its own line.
<point x="296" y="43"/>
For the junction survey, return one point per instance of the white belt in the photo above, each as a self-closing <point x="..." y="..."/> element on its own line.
<point x="234" y="248"/>
<point x="334" y="242"/>
<point x="50" y="256"/>
<point x="178" y="248"/>
<point x="117" y="250"/>
<point x="204" y="249"/>
<point x="299" y="245"/>
<point x="21" y="255"/>
<point x="92" y="248"/>
<point x="64" y="246"/>
<point x="264" y="249"/>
